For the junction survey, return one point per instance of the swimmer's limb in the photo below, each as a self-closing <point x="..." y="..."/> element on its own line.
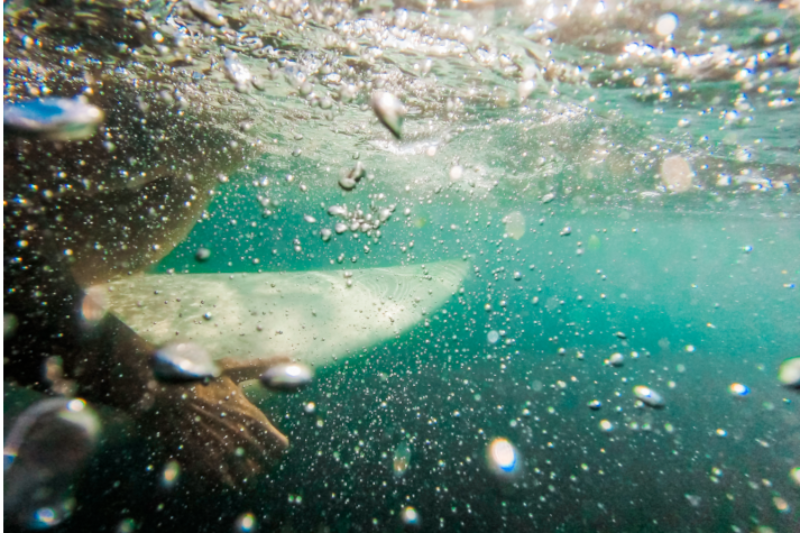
<point x="211" y="429"/>
<point x="214" y="431"/>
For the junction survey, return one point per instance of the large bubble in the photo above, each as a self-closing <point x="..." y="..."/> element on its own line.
<point x="502" y="458"/>
<point x="44" y="454"/>
<point x="61" y="119"/>
<point x="183" y="361"/>
<point x="287" y="377"/>
<point x="789" y="372"/>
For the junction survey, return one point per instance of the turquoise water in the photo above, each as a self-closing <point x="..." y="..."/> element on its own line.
<point x="620" y="185"/>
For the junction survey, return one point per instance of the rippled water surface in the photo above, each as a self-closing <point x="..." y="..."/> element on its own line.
<point x="468" y="266"/>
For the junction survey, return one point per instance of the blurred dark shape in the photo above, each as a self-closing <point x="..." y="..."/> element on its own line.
<point x="46" y="450"/>
<point x="9" y="324"/>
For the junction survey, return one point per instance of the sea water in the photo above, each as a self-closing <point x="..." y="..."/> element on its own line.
<point x="621" y="180"/>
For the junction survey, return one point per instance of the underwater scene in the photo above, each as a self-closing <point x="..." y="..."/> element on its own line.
<point x="320" y="266"/>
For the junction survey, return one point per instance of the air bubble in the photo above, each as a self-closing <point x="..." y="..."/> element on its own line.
<point x="46" y="449"/>
<point x="616" y="359"/>
<point x="737" y="389"/>
<point x="410" y="517"/>
<point x="289" y="377"/>
<point x="648" y="396"/>
<point x="666" y="24"/>
<point x="502" y="458"/>
<point x="60" y="119"/>
<point x="789" y="372"/>
<point x="183" y="361"/>
<point x="389" y="110"/>
<point x="246" y="523"/>
<point x="401" y="459"/>
<point x="170" y="474"/>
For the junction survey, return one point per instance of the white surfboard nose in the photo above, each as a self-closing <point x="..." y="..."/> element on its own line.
<point x="316" y="317"/>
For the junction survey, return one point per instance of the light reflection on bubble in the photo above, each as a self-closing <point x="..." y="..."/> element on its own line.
<point x="77" y="405"/>
<point x="648" y="396"/>
<point x="789" y="372"/>
<point x="246" y="523"/>
<point x="502" y="457"/>
<point x="287" y="377"/>
<point x="781" y="504"/>
<point x="737" y="389"/>
<point x="666" y="24"/>
<point x="44" y="517"/>
<point x="410" y="516"/>
<point x="170" y="475"/>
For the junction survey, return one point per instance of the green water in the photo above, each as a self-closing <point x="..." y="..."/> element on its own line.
<point x="700" y="311"/>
